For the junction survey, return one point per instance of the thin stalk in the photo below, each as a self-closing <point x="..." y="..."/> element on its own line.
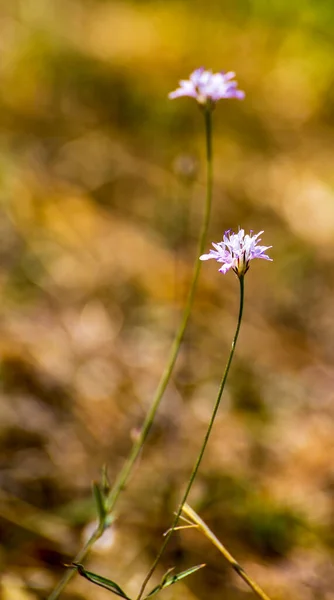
<point x="205" y="442"/>
<point x="202" y="526"/>
<point x="126" y="471"/>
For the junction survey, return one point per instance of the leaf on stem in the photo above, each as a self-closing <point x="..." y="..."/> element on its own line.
<point x="107" y="584"/>
<point x="169" y="579"/>
<point x="105" y="483"/>
<point x="100" y="504"/>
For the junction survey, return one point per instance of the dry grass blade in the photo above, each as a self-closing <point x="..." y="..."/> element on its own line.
<point x="201" y="525"/>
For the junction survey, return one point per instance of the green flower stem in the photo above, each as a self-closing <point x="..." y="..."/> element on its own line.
<point x="202" y="526"/>
<point x="126" y="471"/>
<point x="202" y="450"/>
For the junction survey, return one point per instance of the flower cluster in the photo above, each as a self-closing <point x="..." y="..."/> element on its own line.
<point x="236" y="251"/>
<point x="206" y="86"/>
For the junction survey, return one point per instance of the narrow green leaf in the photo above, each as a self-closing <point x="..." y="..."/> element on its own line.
<point x="169" y="579"/>
<point x="166" y="576"/>
<point x="105" y="483"/>
<point x="107" y="584"/>
<point x="175" y="578"/>
<point x="162" y="582"/>
<point x="100" y="504"/>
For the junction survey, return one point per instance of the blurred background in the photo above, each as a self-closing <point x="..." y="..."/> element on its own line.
<point x="102" y="183"/>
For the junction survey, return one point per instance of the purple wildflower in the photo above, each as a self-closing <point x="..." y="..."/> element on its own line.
<point x="206" y="86"/>
<point x="236" y="250"/>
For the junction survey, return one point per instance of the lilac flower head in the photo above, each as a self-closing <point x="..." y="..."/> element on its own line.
<point x="207" y="87"/>
<point x="236" y="251"/>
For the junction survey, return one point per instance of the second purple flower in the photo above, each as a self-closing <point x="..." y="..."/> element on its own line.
<point x="206" y="86"/>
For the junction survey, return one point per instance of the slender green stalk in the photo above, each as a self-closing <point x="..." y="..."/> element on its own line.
<point x="202" y="526"/>
<point x="126" y="471"/>
<point x="205" y="441"/>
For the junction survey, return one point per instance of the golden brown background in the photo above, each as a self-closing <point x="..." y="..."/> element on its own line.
<point x="102" y="184"/>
